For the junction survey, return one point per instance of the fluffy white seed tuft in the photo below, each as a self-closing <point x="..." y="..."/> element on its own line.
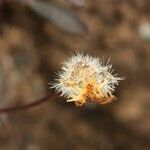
<point x="85" y="78"/>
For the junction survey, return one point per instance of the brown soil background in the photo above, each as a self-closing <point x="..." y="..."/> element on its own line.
<point x="32" y="49"/>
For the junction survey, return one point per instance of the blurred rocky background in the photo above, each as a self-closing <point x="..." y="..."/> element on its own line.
<point x="37" y="36"/>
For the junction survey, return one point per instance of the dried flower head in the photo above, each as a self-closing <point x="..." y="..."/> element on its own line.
<point x="84" y="78"/>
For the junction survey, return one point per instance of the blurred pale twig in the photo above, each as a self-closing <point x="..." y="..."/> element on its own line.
<point x="80" y="3"/>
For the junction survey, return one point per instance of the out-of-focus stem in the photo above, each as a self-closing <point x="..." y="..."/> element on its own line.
<point x="27" y="106"/>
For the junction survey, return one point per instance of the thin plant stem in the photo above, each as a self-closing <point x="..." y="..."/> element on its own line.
<point x="27" y="106"/>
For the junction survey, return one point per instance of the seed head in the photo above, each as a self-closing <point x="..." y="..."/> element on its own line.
<point x="84" y="78"/>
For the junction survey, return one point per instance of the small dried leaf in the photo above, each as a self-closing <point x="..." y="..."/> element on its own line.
<point x="60" y="17"/>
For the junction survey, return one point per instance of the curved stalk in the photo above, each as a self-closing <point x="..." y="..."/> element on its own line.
<point x="26" y="106"/>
